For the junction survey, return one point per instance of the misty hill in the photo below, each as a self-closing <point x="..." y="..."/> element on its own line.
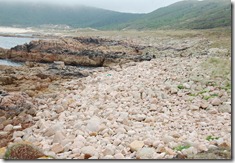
<point x="190" y="14"/>
<point x="29" y="14"/>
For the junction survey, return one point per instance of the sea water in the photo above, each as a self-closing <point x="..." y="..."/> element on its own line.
<point x="8" y="43"/>
<point x="9" y="63"/>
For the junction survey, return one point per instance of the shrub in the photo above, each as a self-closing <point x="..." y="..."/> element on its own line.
<point x="22" y="151"/>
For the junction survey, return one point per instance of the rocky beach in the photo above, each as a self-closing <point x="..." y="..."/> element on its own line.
<point x="147" y="95"/>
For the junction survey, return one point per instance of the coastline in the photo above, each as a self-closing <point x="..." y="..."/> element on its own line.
<point x="167" y="107"/>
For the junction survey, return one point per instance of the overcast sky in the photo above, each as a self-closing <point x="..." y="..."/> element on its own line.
<point x="134" y="6"/>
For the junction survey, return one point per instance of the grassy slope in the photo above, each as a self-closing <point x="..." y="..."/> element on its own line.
<point x="191" y="14"/>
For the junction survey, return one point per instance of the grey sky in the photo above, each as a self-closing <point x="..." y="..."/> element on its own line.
<point x="134" y="6"/>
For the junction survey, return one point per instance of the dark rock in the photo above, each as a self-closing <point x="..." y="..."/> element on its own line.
<point x="15" y="103"/>
<point x="79" y="51"/>
<point x="6" y="80"/>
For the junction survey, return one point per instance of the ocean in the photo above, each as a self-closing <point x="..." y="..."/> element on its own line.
<point x="9" y="42"/>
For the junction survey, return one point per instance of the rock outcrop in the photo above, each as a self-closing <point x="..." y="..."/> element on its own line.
<point x="76" y="51"/>
<point x="15" y="103"/>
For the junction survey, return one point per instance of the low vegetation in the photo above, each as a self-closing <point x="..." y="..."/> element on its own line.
<point x="22" y="151"/>
<point x="181" y="147"/>
<point x="217" y="67"/>
<point x="209" y="138"/>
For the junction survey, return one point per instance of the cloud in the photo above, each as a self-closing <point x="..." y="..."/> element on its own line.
<point x="134" y="6"/>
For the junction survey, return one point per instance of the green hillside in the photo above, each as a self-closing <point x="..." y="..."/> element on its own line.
<point x="28" y="14"/>
<point x="190" y="14"/>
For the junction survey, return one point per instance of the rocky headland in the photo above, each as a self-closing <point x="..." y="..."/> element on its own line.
<point x="134" y="102"/>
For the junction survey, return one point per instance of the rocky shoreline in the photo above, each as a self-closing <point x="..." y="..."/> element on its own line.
<point x="77" y="51"/>
<point x="164" y="107"/>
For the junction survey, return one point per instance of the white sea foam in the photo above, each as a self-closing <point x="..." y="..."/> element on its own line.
<point x="11" y="30"/>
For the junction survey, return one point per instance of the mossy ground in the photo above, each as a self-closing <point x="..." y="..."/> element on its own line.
<point x="220" y="153"/>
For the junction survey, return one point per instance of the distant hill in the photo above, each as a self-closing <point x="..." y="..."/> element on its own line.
<point x="35" y="14"/>
<point x="188" y="14"/>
